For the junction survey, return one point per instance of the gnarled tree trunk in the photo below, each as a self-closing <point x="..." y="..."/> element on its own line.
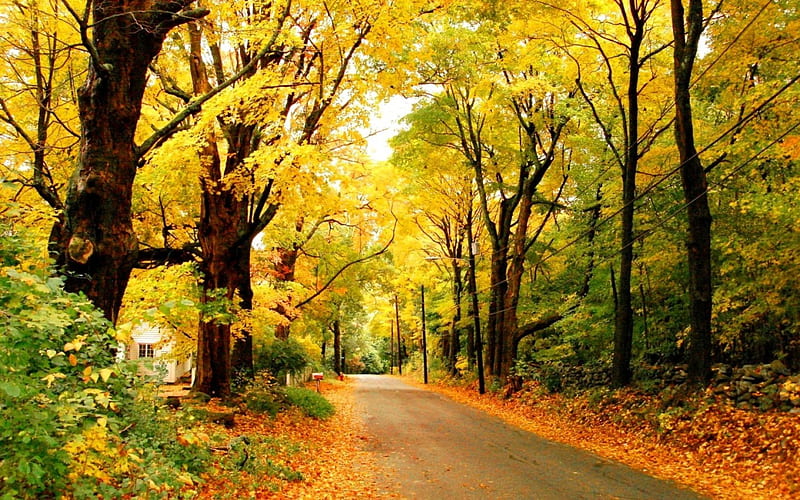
<point x="94" y="243"/>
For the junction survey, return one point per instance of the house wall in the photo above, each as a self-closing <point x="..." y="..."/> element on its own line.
<point x="149" y="334"/>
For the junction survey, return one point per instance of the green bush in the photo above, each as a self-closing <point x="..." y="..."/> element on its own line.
<point x="310" y="402"/>
<point x="281" y="357"/>
<point x="73" y="421"/>
<point x="257" y="455"/>
<point x="263" y="396"/>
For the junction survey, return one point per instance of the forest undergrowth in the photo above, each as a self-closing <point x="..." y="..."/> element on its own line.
<point x="293" y="456"/>
<point x="707" y="445"/>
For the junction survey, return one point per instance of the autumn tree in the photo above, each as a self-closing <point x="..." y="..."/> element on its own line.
<point x="262" y="145"/>
<point x="744" y="93"/>
<point x="444" y="199"/>
<point x="687" y="27"/>
<point x="40" y="59"/>
<point x="94" y="242"/>
<point x="628" y="34"/>
<point x="508" y="170"/>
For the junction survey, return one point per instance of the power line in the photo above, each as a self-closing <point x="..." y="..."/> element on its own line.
<point x="660" y="223"/>
<point x="675" y="170"/>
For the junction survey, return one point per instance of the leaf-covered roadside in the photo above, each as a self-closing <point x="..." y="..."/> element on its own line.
<point x="711" y="447"/>
<point x="309" y="457"/>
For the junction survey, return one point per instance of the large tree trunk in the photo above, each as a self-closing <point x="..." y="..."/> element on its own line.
<point x="220" y="240"/>
<point x="94" y="244"/>
<point x="284" y="272"/>
<point x="242" y="355"/>
<point x="224" y="241"/>
<point x="695" y="189"/>
<point x="516" y="269"/>
<point x="494" y="325"/>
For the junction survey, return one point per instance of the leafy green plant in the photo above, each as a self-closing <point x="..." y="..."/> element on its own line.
<point x="281" y="357"/>
<point x="75" y="422"/>
<point x="311" y="403"/>
<point x="263" y="396"/>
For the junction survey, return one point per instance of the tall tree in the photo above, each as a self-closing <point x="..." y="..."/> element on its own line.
<point x="626" y="34"/>
<point x="94" y="243"/>
<point x="687" y="28"/>
<point x="270" y="129"/>
<point x="40" y="52"/>
<point x="508" y="163"/>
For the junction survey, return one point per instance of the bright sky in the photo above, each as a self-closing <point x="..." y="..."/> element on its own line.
<point x="385" y="125"/>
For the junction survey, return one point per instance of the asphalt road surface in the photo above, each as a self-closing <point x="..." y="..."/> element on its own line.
<point x="432" y="447"/>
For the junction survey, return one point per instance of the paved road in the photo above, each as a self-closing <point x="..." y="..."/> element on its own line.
<point x="432" y="447"/>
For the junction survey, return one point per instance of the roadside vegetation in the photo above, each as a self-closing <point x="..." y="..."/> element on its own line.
<point x="587" y="203"/>
<point x="674" y="431"/>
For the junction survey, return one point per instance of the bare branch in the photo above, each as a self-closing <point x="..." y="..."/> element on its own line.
<point x="349" y="265"/>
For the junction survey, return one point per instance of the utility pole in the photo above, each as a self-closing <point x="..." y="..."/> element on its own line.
<point x="399" y="338"/>
<point x="424" y="340"/>
<point x="476" y="316"/>
<point x="391" y="347"/>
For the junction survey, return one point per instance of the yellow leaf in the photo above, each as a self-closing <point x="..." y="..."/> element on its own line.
<point x="102" y="421"/>
<point x="106" y="373"/>
<point x="87" y="371"/>
<point x="75" y="344"/>
<point x="51" y="377"/>
<point x="72" y="359"/>
<point x="50" y="353"/>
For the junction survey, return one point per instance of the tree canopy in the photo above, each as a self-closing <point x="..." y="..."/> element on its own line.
<point x="214" y="181"/>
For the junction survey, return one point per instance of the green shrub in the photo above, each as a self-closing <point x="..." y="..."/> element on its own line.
<point x="263" y="396"/>
<point x="281" y="357"/>
<point x="310" y="402"/>
<point x="261" y="456"/>
<point x="73" y="421"/>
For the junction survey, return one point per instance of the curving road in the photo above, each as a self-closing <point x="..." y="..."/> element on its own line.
<point x="432" y="447"/>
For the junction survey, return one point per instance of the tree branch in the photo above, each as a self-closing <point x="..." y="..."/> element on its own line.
<point x="196" y="105"/>
<point x="349" y="265"/>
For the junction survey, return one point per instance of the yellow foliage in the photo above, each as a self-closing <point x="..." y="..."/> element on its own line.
<point x="92" y="451"/>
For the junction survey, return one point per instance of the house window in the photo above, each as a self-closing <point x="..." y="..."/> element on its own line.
<point x="146" y="351"/>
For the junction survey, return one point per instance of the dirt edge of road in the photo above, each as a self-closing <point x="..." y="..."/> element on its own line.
<point x="642" y="452"/>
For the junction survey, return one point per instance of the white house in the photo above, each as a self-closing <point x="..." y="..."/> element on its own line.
<point x="147" y="346"/>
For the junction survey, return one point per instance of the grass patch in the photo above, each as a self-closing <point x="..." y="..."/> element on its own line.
<point x="311" y="403"/>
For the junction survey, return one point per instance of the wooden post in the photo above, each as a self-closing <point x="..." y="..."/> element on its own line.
<point x="476" y="316"/>
<point x="399" y="338"/>
<point x="391" y="347"/>
<point x="424" y="340"/>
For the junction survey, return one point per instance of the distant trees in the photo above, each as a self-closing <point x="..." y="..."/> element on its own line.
<point x="627" y="95"/>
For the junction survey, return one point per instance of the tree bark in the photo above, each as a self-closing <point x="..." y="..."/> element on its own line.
<point x="695" y="189"/>
<point x="224" y="241"/>
<point x="94" y="245"/>
<point x="220" y="239"/>
<point x="337" y="348"/>
<point x="623" y="327"/>
<point x="284" y="272"/>
<point x="242" y="354"/>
